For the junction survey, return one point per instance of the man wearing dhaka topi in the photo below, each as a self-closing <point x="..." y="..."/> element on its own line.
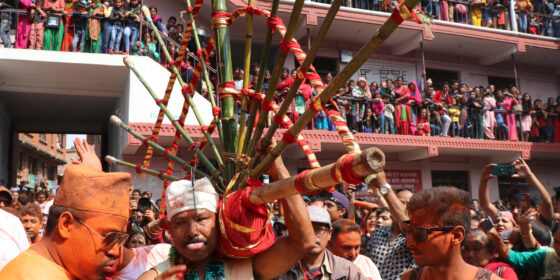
<point x="193" y="218"/>
<point x="85" y="230"/>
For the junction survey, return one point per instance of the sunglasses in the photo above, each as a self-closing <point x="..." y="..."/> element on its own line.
<point x="421" y="233"/>
<point x="110" y="238"/>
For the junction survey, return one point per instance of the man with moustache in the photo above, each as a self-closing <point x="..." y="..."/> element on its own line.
<point x="31" y="219"/>
<point x="439" y="222"/>
<point x="193" y="219"/>
<point x="85" y="229"/>
<point x="346" y="242"/>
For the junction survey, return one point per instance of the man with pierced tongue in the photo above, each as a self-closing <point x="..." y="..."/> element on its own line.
<point x="192" y="215"/>
<point x="85" y="229"/>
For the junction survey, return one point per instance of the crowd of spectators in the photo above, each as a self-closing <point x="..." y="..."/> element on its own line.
<point x="92" y="26"/>
<point x="538" y="17"/>
<point x="396" y="234"/>
<point x="452" y="110"/>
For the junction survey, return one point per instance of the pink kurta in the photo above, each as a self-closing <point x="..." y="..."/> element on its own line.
<point x="23" y="28"/>
<point x="510" y="117"/>
<point x="489" y="120"/>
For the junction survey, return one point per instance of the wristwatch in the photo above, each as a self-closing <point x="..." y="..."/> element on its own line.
<point x="385" y="189"/>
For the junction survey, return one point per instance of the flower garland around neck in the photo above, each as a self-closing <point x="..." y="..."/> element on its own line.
<point x="214" y="269"/>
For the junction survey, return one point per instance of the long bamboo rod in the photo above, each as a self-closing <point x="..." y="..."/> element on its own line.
<point x="369" y="161"/>
<point x="146" y="13"/>
<point x="276" y="72"/>
<point x="263" y="66"/>
<point x="362" y="56"/>
<point x="329" y="18"/>
<point x="223" y="59"/>
<point x="247" y="67"/>
<point x="128" y="62"/>
<point x="186" y="166"/>
<point x="112" y="160"/>
<point x="205" y="71"/>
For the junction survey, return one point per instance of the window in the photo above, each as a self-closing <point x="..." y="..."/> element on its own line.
<point x="60" y="141"/>
<point x="440" y="76"/>
<point x="43" y="136"/>
<point x="32" y="165"/>
<point x="458" y="179"/>
<point x="51" y="175"/>
<point x="505" y="184"/>
<point x="20" y="163"/>
<point x="324" y="65"/>
<point x="501" y="82"/>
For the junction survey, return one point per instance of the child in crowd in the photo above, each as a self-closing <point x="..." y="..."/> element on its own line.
<point x="378" y="110"/>
<point x="455" y="115"/>
<point x="388" y="113"/>
<point x="80" y="23"/>
<point x="96" y="10"/>
<point x="368" y="122"/>
<point x="423" y="123"/>
<point x="502" y="128"/>
<point x="116" y="20"/>
<point x="387" y="90"/>
<point x="37" y="19"/>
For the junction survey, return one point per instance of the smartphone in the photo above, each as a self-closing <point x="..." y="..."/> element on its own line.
<point x="524" y="201"/>
<point x="504" y="170"/>
<point x="486" y="224"/>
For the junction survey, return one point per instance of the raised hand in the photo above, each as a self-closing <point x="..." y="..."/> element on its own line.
<point x="87" y="154"/>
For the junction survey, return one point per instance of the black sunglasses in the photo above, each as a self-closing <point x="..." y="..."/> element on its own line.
<point x="421" y="233"/>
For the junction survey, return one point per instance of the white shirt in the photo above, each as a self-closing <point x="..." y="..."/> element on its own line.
<point x="368" y="268"/>
<point x="144" y="258"/>
<point x="13" y="239"/>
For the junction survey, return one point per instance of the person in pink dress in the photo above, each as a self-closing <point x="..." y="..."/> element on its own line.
<point x="489" y="121"/>
<point x="24" y="26"/>
<point x="508" y="104"/>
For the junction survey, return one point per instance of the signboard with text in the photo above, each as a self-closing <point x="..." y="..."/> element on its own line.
<point x="398" y="179"/>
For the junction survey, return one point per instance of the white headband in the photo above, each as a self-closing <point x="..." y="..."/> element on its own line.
<point x="180" y="196"/>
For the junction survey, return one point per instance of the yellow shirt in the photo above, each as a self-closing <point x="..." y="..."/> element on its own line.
<point x="30" y="265"/>
<point x="454" y="114"/>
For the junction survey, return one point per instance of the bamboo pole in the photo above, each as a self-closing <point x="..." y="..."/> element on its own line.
<point x="329" y="18"/>
<point x="263" y="66"/>
<point x="247" y="67"/>
<point x="186" y="166"/>
<point x="114" y="161"/>
<point x="276" y="72"/>
<point x="362" y="56"/>
<point x="369" y="161"/>
<point x="223" y="59"/>
<point x="146" y="13"/>
<point x="205" y="71"/>
<point x="128" y="62"/>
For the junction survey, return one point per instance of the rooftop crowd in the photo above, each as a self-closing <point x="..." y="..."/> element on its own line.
<point x="436" y="233"/>
<point x="86" y="26"/>
<point x="538" y="17"/>
<point x="452" y="110"/>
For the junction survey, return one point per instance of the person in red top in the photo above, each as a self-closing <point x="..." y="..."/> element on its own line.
<point x="479" y="250"/>
<point x="443" y="95"/>
<point x="284" y="85"/>
<point x="439" y="97"/>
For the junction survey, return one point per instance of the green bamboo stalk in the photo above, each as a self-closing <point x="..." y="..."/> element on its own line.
<point x="317" y="41"/>
<point x="247" y="67"/>
<point x="223" y="59"/>
<point x="276" y="72"/>
<point x="114" y="161"/>
<point x="128" y="62"/>
<point x="263" y="65"/>
<point x="362" y="56"/>
<point x="205" y="71"/>
<point x="146" y="13"/>
<point x="118" y="122"/>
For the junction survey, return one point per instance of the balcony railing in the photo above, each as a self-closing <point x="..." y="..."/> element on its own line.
<point x="10" y="24"/>
<point x="542" y="20"/>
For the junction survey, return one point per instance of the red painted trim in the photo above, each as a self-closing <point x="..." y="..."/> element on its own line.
<point x="316" y="137"/>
